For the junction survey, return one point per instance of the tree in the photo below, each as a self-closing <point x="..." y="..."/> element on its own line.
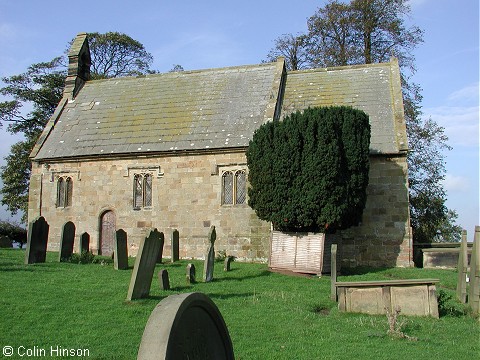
<point x="14" y="232"/>
<point x="41" y="88"/>
<point x="292" y="48"/>
<point x="369" y="31"/>
<point x="309" y="172"/>
<point x="114" y="55"/>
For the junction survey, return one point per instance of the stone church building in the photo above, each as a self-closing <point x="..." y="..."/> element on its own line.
<point x="168" y="151"/>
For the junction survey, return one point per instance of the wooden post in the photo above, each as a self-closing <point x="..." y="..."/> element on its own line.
<point x="462" y="269"/>
<point x="333" y="273"/>
<point x="474" y="293"/>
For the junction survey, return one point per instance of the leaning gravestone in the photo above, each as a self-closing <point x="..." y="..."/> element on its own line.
<point x="210" y="256"/>
<point x="37" y="239"/>
<point x="462" y="269"/>
<point x="175" y="245"/>
<point x="120" y="255"/>
<point x="474" y="293"/>
<point x="186" y="326"/>
<point x="190" y="273"/>
<point x="160" y="252"/>
<point x="164" y="280"/>
<point x="142" y="274"/>
<point x="66" y="241"/>
<point x="84" y="242"/>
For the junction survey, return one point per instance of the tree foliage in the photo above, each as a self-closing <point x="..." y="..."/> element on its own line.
<point x="40" y="89"/>
<point x="370" y="31"/>
<point x="14" y="232"/>
<point x="115" y="55"/>
<point x="309" y="172"/>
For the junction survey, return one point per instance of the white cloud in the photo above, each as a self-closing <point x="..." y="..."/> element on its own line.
<point x="456" y="183"/>
<point x="460" y="123"/>
<point x="467" y="94"/>
<point x="459" y="115"/>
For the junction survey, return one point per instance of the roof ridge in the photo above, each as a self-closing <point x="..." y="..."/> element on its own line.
<point x="344" y="67"/>
<point x="187" y="72"/>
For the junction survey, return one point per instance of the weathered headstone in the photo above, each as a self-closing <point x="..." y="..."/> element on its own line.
<point x="474" y="293"/>
<point x="160" y="252"/>
<point x="84" y="242"/>
<point x="164" y="280"/>
<point x="142" y="274"/>
<point x="210" y="256"/>
<point x="186" y="326"/>
<point x="67" y="239"/>
<point x="175" y="245"/>
<point x="120" y="254"/>
<point x="227" y="263"/>
<point x="190" y="274"/>
<point x="462" y="269"/>
<point x="37" y="239"/>
<point x="333" y="273"/>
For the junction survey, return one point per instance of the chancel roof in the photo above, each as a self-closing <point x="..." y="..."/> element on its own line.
<point x="374" y="88"/>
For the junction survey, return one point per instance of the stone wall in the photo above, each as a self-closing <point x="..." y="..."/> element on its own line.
<point x="383" y="239"/>
<point x="187" y="197"/>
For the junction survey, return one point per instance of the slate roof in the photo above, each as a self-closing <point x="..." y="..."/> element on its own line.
<point x="215" y="109"/>
<point x="373" y="88"/>
<point x="190" y="110"/>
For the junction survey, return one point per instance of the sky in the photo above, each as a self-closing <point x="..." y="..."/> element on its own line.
<point x="218" y="33"/>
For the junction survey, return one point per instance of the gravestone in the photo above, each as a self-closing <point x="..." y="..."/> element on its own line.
<point x="227" y="263"/>
<point x="474" y="293"/>
<point x="210" y="256"/>
<point x="142" y="274"/>
<point x="37" y="239"/>
<point x="84" y="242"/>
<point x="333" y="273"/>
<point x="190" y="274"/>
<point x="462" y="269"/>
<point x="175" y="245"/>
<point x="120" y="254"/>
<point x="164" y="280"/>
<point x="186" y="326"/>
<point x="66" y="241"/>
<point x="160" y="252"/>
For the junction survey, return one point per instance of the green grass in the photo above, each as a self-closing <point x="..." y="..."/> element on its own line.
<point x="269" y="315"/>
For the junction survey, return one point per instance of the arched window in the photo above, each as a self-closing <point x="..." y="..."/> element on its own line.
<point x="64" y="191"/>
<point x="234" y="187"/>
<point x="142" y="191"/>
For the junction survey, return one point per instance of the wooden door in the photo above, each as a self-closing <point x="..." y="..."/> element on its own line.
<point x="107" y="233"/>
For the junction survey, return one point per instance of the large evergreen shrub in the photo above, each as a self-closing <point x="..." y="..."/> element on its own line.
<point x="309" y="172"/>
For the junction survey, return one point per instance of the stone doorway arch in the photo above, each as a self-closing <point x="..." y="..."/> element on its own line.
<point x="107" y="233"/>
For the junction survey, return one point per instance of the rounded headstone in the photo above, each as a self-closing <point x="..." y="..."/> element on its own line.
<point x="186" y="326"/>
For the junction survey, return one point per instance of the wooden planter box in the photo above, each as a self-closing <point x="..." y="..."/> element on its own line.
<point x="298" y="252"/>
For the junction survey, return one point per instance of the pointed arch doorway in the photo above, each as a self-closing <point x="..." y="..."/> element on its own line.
<point x="107" y="233"/>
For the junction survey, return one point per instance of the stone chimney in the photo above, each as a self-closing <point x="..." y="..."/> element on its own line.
<point x="78" y="66"/>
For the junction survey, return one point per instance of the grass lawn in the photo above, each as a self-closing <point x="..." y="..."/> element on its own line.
<point x="269" y="315"/>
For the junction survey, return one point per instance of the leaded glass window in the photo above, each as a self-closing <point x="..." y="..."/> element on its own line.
<point x="64" y="191"/>
<point x="234" y="187"/>
<point x="142" y="191"/>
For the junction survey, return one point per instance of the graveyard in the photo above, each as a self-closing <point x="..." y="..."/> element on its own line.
<point x="268" y="315"/>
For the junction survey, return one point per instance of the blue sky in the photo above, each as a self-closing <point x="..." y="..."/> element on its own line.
<point x="216" y="33"/>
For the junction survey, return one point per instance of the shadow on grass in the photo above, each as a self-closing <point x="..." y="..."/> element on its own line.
<point x="262" y="274"/>
<point x="361" y="270"/>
